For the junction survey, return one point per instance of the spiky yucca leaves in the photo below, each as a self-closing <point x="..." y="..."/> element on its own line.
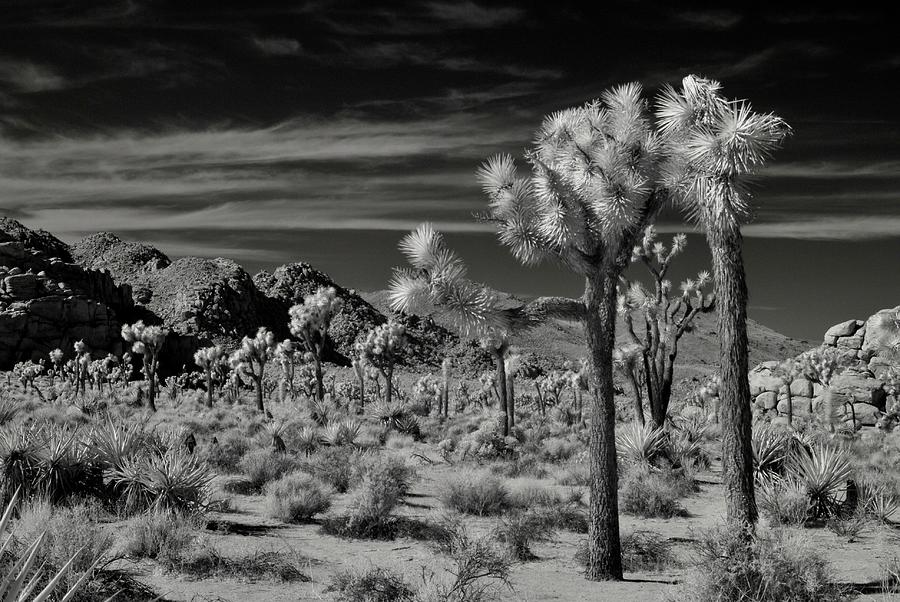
<point x="713" y="146"/>
<point x="640" y="443"/>
<point x="173" y="481"/>
<point x="147" y="341"/>
<point x="310" y="321"/>
<point x="381" y="348"/>
<point x="20" y="581"/>
<point x="112" y="444"/>
<point x="344" y="432"/>
<point x="64" y="467"/>
<point x="665" y="316"/>
<point x="20" y="460"/>
<point x="770" y="447"/>
<point x="823" y="470"/>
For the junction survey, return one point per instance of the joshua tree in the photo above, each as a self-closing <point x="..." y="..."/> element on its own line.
<point x="56" y="360"/>
<point x="209" y="359"/>
<point x="310" y="321"/>
<point x="787" y="372"/>
<point x="821" y="365"/>
<point x="147" y="341"/>
<point x="665" y="319"/>
<point x="512" y="364"/>
<point x="381" y="349"/>
<point x="359" y="369"/>
<point x="445" y="386"/>
<point x="592" y="189"/>
<point x="251" y="359"/>
<point x="713" y="145"/>
<point x="286" y="355"/>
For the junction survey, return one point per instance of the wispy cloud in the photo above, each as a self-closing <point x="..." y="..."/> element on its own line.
<point x="828" y="228"/>
<point x="474" y="16"/>
<point x="27" y="76"/>
<point x="277" y="46"/>
<point x="710" y="19"/>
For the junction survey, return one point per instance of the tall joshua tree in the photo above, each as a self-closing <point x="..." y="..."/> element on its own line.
<point x="381" y="348"/>
<point x="310" y="321"/>
<point x="666" y="317"/>
<point x="713" y="145"/>
<point x="148" y="342"/>
<point x="592" y="190"/>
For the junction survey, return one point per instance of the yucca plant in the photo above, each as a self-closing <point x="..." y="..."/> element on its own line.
<point x="341" y="433"/>
<point x="878" y="502"/>
<point x="770" y="447"/>
<point x="823" y="471"/>
<point x="641" y="444"/>
<point x="20" y="460"/>
<point x="308" y="440"/>
<point x="389" y="414"/>
<point x="20" y="582"/>
<point x="64" y="464"/>
<point x="177" y="482"/>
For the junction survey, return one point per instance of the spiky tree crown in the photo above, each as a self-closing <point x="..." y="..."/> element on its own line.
<point x="144" y="339"/>
<point x="713" y="145"/>
<point x="383" y="343"/>
<point x="208" y="356"/>
<point x="311" y="319"/>
<point x="823" y="363"/>
<point x="437" y="285"/>
<point x="593" y="178"/>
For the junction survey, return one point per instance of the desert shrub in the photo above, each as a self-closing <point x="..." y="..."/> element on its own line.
<point x="375" y="584"/>
<point x="486" y="443"/>
<point x="519" y="530"/>
<point x="782" y="501"/>
<point x="263" y="466"/>
<point x="162" y="536"/>
<point x="339" y="467"/>
<point x="478" y="565"/>
<point x="297" y="497"/>
<point x="225" y="456"/>
<point x="71" y="535"/>
<point x="651" y="494"/>
<point x="371" y="508"/>
<point x="641" y="551"/>
<point x="205" y="561"/>
<point x="559" y="450"/>
<point x="850" y="527"/>
<point x="574" y="475"/>
<point x="777" y="565"/>
<point x="477" y="493"/>
<point x="890" y="575"/>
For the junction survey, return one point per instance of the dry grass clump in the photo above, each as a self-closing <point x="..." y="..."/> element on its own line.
<point x="777" y="565"/>
<point x="642" y="551"/>
<point x="261" y="467"/>
<point x="520" y="529"/>
<point x="478" y="493"/>
<point x="652" y="493"/>
<point x="339" y="467"/>
<point x="161" y="536"/>
<point x="782" y="501"/>
<point x="297" y="497"/>
<point x="375" y="584"/>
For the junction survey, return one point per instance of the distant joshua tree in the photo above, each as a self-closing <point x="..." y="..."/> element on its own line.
<point x="665" y="317"/>
<point x="714" y="145"/>
<point x="310" y="321"/>
<point x="251" y="359"/>
<point x="381" y="349"/>
<point x="209" y="358"/>
<point x="147" y="341"/>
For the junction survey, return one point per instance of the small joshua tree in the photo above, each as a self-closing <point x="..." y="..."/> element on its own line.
<point x="665" y="319"/>
<point x="821" y="365"/>
<point x="513" y="363"/>
<point x="445" y="386"/>
<point x="310" y="321"/>
<point x="286" y="355"/>
<point x="251" y="359"/>
<point x="147" y="341"/>
<point x="56" y="363"/>
<point x="381" y="349"/>
<point x="208" y="359"/>
<point x="787" y="372"/>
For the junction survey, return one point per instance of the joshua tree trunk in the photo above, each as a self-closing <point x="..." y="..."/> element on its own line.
<point x="638" y="398"/>
<point x="209" y="389"/>
<point x="605" y="555"/>
<point x="257" y="381"/>
<point x="320" y="389"/>
<point x="503" y="421"/>
<point x="734" y="393"/>
<point x="150" y="372"/>
<point x="790" y="406"/>
<point x="511" y="399"/>
<point x="389" y="382"/>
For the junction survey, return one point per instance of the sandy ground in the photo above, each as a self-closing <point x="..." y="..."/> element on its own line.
<point x="553" y="576"/>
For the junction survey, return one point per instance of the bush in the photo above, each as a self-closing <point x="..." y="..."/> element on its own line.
<point x="339" y="467"/>
<point x="782" y="501"/>
<point x="475" y="493"/>
<point x="376" y="584"/>
<point x="521" y="529"/>
<point x="225" y="456"/>
<point x="297" y="497"/>
<point x="775" y="566"/>
<point x="641" y="551"/>
<point x="263" y="466"/>
<point x="162" y="536"/>
<point x="651" y="494"/>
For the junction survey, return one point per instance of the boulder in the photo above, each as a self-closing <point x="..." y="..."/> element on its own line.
<point x="854" y="342"/>
<point x="866" y="414"/>
<point x="859" y="387"/>
<point x="761" y="380"/>
<point x="126" y="262"/>
<point x="802" y="388"/>
<point x="844" y="329"/>
<point x="766" y="400"/>
<point x="882" y="333"/>
<point x="799" y="404"/>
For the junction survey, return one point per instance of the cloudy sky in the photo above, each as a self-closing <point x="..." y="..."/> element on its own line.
<point x="273" y="131"/>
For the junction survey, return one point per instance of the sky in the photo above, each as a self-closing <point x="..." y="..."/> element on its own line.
<point x="321" y="131"/>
